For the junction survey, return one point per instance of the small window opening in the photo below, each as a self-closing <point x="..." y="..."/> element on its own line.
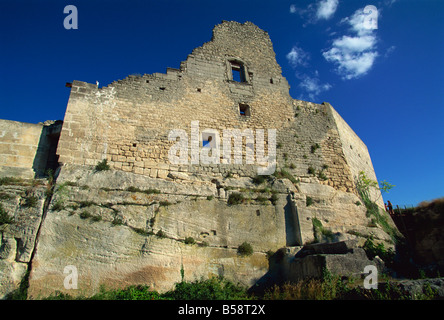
<point x="238" y="72"/>
<point x="207" y="143"/>
<point x="147" y="81"/>
<point x="199" y="90"/>
<point x="162" y="88"/>
<point x="134" y="144"/>
<point x="208" y="140"/>
<point x="271" y="80"/>
<point x="244" y="110"/>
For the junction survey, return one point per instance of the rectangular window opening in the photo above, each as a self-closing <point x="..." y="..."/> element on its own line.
<point x="244" y="110"/>
<point x="238" y="72"/>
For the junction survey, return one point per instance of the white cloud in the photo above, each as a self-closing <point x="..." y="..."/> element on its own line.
<point x="312" y="86"/>
<point x="326" y="9"/>
<point x="312" y="13"/>
<point x="359" y="21"/>
<point x="355" y="44"/>
<point x="355" y="55"/>
<point x="297" y="57"/>
<point x="351" y="65"/>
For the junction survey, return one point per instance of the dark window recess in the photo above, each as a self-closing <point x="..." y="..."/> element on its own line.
<point x="162" y="88"/>
<point x="238" y="72"/>
<point x="244" y="110"/>
<point x="207" y="143"/>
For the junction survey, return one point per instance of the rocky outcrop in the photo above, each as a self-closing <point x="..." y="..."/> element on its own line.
<point x="423" y="229"/>
<point x="22" y="208"/>
<point x="118" y="229"/>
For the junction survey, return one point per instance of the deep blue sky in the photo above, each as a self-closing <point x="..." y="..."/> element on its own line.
<point x="387" y="83"/>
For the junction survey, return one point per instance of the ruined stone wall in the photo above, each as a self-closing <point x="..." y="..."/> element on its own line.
<point x="356" y="154"/>
<point x="19" y="144"/>
<point x="128" y="121"/>
<point x="27" y="149"/>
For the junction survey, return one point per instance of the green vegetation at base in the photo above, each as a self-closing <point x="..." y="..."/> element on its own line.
<point x="329" y="287"/>
<point x="216" y="288"/>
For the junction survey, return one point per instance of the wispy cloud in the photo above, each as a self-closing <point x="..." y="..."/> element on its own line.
<point x="354" y="55"/>
<point x="297" y="57"/>
<point x="326" y="9"/>
<point x="312" y="85"/>
<point x="320" y="10"/>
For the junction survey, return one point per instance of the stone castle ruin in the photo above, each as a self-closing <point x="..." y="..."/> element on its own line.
<point x="150" y="220"/>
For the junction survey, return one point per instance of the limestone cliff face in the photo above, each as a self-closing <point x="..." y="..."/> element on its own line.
<point x="22" y="206"/>
<point x="120" y="229"/>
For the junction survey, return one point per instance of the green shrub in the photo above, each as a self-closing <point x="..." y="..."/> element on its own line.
<point x="4" y="217"/>
<point x="308" y="201"/>
<point x="30" y="201"/>
<point x="283" y="174"/>
<point x="141" y="231"/>
<point x="58" y="205"/>
<point x="235" y="198"/>
<point x="328" y="288"/>
<point x="315" y="147"/>
<point x="164" y="203"/>
<point x="320" y="232"/>
<point x="322" y="176"/>
<point x="10" y="180"/>
<point x="245" y="249"/>
<point x="148" y="191"/>
<point x="311" y="170"/>
<point x="211" y="289"/>
<point x="373" y="250"/>
<point x="189" y="240"/>
<point x="259" y="179"/>
<point x="85" y="215"/>
<point x="102" y="165"/>
<point x="96" y="218"/>
<point x="117" y="221"/>
<point x="138" y="292"/>
<point x="84" y="204"/>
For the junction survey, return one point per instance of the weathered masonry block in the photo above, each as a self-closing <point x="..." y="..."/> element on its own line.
<point x="28" y="150"/>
